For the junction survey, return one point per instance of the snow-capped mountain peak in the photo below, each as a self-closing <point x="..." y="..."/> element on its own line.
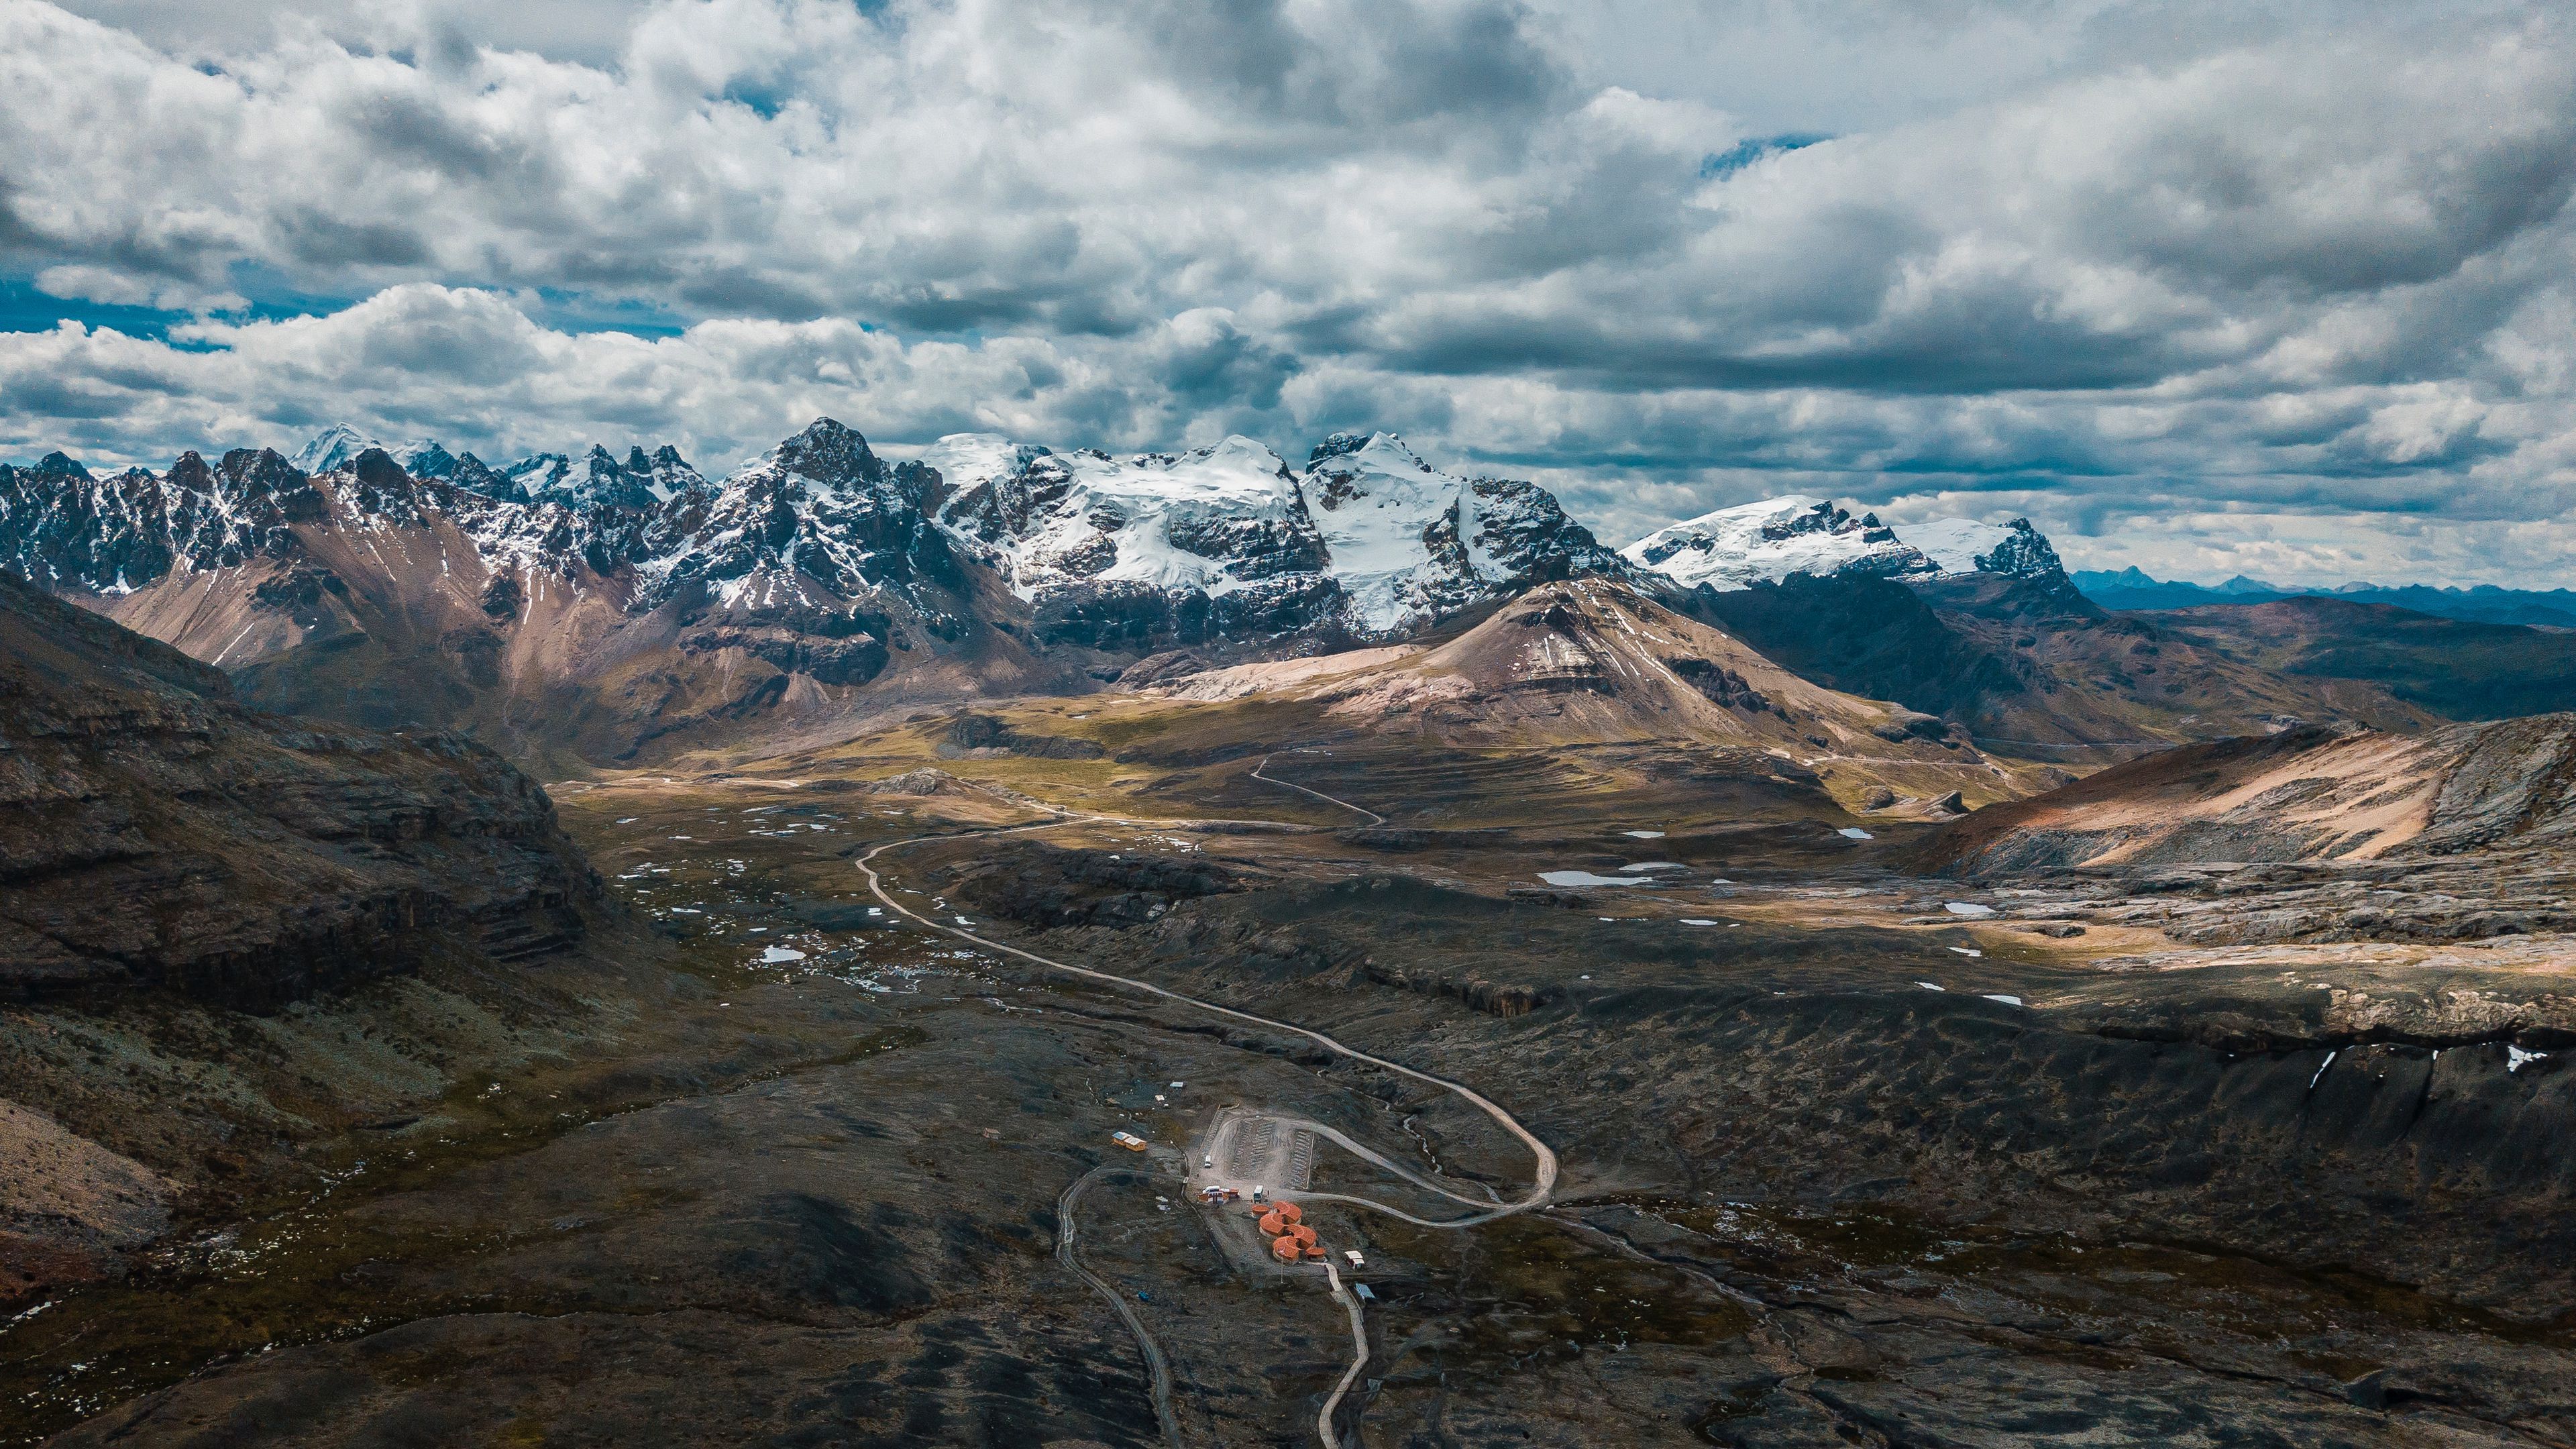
<point x="830" y="453"/>
<point x="819" y="507"/>
<point x="330" y="448"/>
<point x="1966" y="546"/>
<point x="1769" y="540"/>
<point x="1212" y="519"/>
<point x="1391" y="524"/>
<point x="1229" y="537"/>
<point x="339" y="445"/>
<point x="1731" y="548"/>
<point x="1336" y="444"/>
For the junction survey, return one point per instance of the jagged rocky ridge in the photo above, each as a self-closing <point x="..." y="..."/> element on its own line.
<point x="818" y="521"/>
<point x="598" y="604"/>
<point x="638" y="482"/>
<point x="1112" y="554"/>
<point x="1106" y="553"/>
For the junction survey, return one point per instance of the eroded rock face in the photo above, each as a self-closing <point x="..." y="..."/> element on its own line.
<point x="835" y="646"/>
<point x="156" y="835"/>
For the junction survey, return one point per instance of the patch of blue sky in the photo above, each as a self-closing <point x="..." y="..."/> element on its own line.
<point x="762" y="100"/>
<point x="23" y="308"/>
<point x="1755" y="148"/>
<point x="577" y="311"/>
<point x="274" y="296"/>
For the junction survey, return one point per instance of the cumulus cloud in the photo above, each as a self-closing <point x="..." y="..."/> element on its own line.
<point x="2185" y="284"/>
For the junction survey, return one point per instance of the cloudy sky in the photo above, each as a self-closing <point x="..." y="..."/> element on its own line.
<point x="2197" y="289"/>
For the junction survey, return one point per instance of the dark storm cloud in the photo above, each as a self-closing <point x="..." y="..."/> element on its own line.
<point x="2175" y="276"/>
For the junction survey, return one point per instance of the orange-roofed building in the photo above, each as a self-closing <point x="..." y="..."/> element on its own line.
<point x="1273" y="1224"/>
<point x="1305" y="1236"/>
<point x="1289" y="1212"/>
<point x="1286" y="1250"/>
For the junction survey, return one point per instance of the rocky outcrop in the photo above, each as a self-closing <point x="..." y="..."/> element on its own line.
<point x="1048" y="886"/>
<point x="975" y="734"/>
<point x="155" y="835"/>
<point x="1494" y="998"/>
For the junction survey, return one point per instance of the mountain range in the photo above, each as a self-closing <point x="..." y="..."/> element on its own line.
<point x="2133" y="588"/>
<point x="588" y="607"/>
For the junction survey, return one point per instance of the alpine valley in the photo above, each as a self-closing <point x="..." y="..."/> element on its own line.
<point x="1797" y="979"/>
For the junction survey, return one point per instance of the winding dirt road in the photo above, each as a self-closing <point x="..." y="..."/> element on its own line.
<point x="1156" y="1365"/>
<point x="1359" y="1359"/>
<point x="1543" y="1184"/>
<point x="1544" y="1176"/>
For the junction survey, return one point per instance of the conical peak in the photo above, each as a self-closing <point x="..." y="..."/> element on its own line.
<point x="830" y="452"/>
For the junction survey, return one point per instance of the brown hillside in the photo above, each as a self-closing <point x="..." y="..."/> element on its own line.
<point x="155" y="833"/>
<point x="2308" y="794"/>
<point x="386" y="624"/>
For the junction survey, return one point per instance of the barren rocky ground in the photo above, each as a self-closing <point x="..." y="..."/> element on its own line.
<point x="1841" y="1165"/>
